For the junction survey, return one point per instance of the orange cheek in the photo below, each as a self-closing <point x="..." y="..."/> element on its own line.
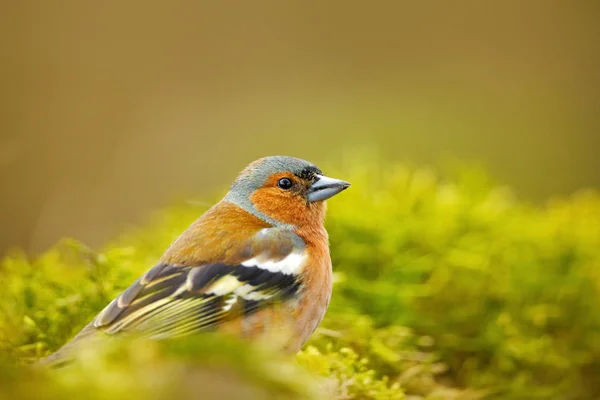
<point x="287" y="207"/>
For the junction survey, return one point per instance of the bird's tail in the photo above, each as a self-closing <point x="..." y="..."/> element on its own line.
<point x="65" y="354"/>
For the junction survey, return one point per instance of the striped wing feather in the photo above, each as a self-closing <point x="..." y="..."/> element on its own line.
<point x="171" y="301"/>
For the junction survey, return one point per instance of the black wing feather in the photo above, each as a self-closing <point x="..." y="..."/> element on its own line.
<point x="172" y="300"/>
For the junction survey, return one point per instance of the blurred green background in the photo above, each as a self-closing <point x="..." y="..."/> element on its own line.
<point x="478" y="278"/>
<point x="112" y="109"/>
<point x="445" y="287"/>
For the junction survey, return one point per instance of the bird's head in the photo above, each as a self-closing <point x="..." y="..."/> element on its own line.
<point x="284" y="190"/>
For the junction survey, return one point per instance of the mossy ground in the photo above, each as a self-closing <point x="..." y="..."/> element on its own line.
<point x="446" y="288"/>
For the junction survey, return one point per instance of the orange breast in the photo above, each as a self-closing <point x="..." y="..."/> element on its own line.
<point x="290" y="325"/>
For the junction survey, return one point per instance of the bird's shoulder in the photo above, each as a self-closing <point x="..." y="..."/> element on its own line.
<point x="219" y="235"/>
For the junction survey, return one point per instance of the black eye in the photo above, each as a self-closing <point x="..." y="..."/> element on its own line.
<point x="285" y="183"/>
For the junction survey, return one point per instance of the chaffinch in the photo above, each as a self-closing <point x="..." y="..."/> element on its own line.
<point x="255" y="263"/>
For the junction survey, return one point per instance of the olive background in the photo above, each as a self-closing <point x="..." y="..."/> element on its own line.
<point x="112" y="109"/>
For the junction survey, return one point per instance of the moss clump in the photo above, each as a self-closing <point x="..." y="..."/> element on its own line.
<point x="445" y="288"/>
<point x="201" y="367"/>
<point x="508" y="293"/>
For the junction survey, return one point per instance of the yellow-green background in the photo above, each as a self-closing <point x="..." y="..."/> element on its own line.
<point x="449" y="284"/>
<point x="111" y="109"/>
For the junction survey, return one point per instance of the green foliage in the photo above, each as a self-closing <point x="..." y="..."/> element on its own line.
<point x="185" y="369"/>
<point x="508" y="293"/>
<point x="446" y="288"/>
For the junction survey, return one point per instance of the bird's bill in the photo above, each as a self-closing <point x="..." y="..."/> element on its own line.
<point x="325" y="187"/>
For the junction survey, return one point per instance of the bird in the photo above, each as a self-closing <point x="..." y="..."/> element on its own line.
<point x="257" y="263"/>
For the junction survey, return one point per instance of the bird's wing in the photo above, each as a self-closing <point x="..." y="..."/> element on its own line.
<point x="171" y="300"/>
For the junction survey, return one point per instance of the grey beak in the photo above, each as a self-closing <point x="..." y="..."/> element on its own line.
<point x="325" y="187"/>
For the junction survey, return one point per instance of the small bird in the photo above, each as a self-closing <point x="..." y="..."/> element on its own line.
<point x="256" y="263"/>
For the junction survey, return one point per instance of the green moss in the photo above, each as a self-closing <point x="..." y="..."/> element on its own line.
<point x="445" y="288"/>
<point x="200" y="367"/>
